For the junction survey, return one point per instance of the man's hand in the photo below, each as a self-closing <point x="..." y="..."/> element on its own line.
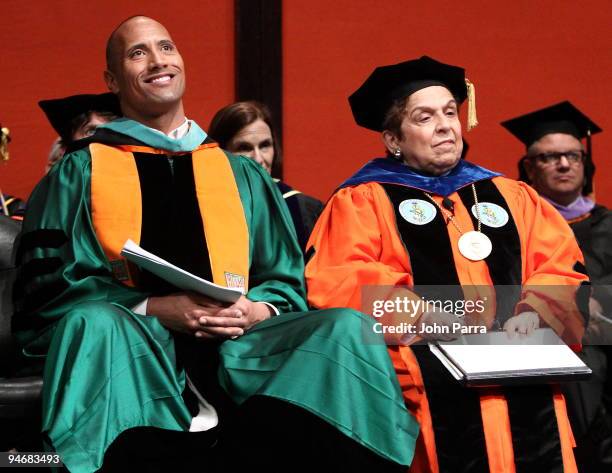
<point x="523" y="324"/>
<point x="206" y="318"/>
<point x="232" y="321"/>
<point x="174" y="311"/>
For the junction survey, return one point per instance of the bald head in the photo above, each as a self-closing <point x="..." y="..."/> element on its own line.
<point x="114" y="40"/>
<point x="145" y="70"/>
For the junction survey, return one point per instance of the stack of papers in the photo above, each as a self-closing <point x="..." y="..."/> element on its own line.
<point x="495" y="359"/>
<point x="176" y="276"/>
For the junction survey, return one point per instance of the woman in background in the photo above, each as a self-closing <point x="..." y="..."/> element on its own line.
<point x="246" y="128"/>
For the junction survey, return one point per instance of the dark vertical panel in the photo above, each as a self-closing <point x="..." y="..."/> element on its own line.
<point x="259" y="62"/>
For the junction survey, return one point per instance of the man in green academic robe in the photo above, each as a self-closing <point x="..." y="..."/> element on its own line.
<point x="126" y="354"/>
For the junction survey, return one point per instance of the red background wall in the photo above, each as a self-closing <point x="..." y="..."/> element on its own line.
<point x="521" y="55"/>
<point x="56" y="48"/>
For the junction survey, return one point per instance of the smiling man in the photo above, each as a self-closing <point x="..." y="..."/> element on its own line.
<point x="140" y="376"/>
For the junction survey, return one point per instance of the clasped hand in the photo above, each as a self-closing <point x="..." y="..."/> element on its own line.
<point x="206" y="318"/>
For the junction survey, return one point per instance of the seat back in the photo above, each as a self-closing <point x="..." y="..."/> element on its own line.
<point x="9" y="230"/>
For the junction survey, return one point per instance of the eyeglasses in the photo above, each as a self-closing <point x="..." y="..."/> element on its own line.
<point x="553" y="158"/>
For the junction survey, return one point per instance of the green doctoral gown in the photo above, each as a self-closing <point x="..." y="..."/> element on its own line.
<point x="108" y="369"/>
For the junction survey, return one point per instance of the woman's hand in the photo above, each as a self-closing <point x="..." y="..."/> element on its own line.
<point x="523" y="324"/>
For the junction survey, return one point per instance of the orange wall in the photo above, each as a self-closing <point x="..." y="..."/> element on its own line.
<point x="56" y="48"/>
<point x="521" y="55"/>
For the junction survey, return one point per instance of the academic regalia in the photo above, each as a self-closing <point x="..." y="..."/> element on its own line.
<point x="362" y="239"/>
<point x="109" y="369"/>
<point x="304" y="211"/>
<point x="381" y="229"/>
<point x="563" y="117"/>
<point x="62" y="112"/>
<point x="589" y="402"/>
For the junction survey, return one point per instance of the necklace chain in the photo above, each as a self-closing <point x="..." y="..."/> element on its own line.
<point x="451" y="217"/>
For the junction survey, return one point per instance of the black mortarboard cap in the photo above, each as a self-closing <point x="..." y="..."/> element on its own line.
<point x="61" y="112"/>
<point x="560" y="118"/>
<point x="387" y="84"/>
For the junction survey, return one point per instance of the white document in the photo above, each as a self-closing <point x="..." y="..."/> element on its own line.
<point x="177" y="276"/>
<point x="496" y="356"/>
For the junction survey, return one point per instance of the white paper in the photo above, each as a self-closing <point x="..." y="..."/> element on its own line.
<point x="176" y="276"/>
<point x="543" y="353"/>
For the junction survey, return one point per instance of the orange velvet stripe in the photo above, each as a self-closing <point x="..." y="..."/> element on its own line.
<point x="117" y="212"/>
<point x="225" y="226"/>
<point x="565" y="433"/>
<point x="498" y="435"/>
<point x="116" y="202"/>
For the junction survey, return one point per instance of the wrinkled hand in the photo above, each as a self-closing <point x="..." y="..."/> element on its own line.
<point x="523" y="324"/>
<point x="232" y="321"/>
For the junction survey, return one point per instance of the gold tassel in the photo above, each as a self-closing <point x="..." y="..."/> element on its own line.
<point x="472" y="119"/>
<point x="5" y="138"/>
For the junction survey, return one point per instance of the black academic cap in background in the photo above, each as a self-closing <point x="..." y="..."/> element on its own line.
<point x="560" y="118"/>
<point x="61" y="112"/>
<point x="387" y="84"/>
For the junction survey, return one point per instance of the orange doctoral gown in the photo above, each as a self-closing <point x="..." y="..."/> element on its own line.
<point x="362" y="239"/>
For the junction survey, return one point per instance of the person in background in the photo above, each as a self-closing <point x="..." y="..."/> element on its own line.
<point x="422" y="223"/>
<point x="77" y="117"/>
<point x="558" y="166"/>
<point x="245" y="128"/>
<point x="57" y="151"/>
<point x="10" y="206"/>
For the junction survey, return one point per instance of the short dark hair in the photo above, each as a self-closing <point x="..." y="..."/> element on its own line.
<point x="232" y="118"/>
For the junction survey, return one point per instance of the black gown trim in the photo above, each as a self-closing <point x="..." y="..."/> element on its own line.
<point x="459" y="433"/>
<point x="505" y="262"/>
<point x="172" y="226"/>
<point x="42" y="238"/>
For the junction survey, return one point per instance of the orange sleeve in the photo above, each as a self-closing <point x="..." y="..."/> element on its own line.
<point x="355" y="244"/>
<point x="550" y="279"/>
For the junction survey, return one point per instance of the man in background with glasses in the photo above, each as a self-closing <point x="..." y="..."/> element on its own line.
<point x="559" y="167"/>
